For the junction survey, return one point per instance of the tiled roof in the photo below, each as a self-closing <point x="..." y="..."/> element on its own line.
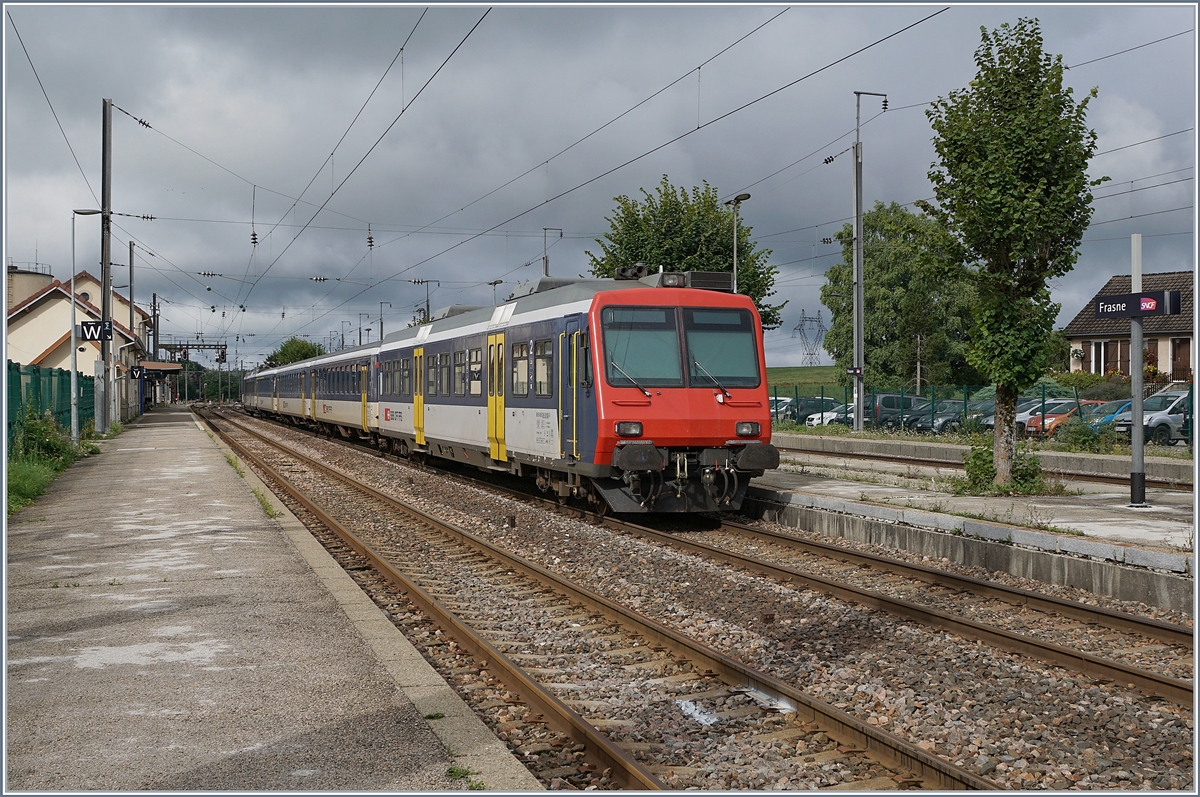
<point x="64" y="289"/>
<point x="1085" y="324"/>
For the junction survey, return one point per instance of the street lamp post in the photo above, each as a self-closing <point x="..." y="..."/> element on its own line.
<point x="494" y="283"/>
<point x="343" y="345"/>
<point x="736" y="202"/>
<point x="858" y="260"/>
<point x="74" y="342"/>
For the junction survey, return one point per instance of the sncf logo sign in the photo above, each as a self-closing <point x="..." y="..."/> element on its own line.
<point x="1149" y="305"/>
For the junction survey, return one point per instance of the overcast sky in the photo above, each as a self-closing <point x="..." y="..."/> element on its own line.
<point x="246" y="105"/>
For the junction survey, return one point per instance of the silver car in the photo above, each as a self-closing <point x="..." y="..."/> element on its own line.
<point x="1163" y="415"/>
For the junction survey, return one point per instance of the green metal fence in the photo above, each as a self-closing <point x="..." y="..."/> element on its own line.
<point x="46" y="389"/>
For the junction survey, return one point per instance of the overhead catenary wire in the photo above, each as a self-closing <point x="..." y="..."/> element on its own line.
<point x="651" y="151"/>
<point x="376" y="144"/>
<point x="51" y="106"/>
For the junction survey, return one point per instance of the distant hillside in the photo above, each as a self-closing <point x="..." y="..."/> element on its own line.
<point x="807" y="376"/>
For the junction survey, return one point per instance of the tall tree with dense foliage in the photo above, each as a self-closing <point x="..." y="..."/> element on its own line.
<point x="683" y="232"/>
<point x="1012" y="186"/>
<point x="293" y="350"/>
<point x="917" y="302"/>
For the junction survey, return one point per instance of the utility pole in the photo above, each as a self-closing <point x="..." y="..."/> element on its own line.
<point x="154" y="312"/>
<point x="545" y="252"/>
<point x="105" y="264"/>
<point x="132" y="322"/>
<point x="859" y="363"/>
<point x="439" y="284"/>
<point x="381" y="304"/>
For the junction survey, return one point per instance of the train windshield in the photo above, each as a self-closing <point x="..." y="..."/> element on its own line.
<point x="720" y="347"/>
<point x="641" y="347"/>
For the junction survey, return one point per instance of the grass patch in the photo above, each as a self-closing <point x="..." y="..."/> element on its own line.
<point x="437" y="715"/>
<point x="40" y="450"/>
<point x="233" y="463"/>
<point x="28" y="478"/>
<point x="266" y="503"/>
<point x="459" y="773"/>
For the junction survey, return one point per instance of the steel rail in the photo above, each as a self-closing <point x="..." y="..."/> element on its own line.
<point x="1170" y="688"/>
<point x="625" y="770"/>
<point x="934" y="771"/>
<point x="1163" y="484"/>
<point x="1108" y="618"/>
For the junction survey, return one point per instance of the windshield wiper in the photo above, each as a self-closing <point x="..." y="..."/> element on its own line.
<point x="630" y="378"/>
<point x="713" y="378"/>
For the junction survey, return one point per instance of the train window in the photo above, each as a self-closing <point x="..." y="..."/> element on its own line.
<point x="460" y="373"/>
<point x="476" y="372"/>
<point x="721" y="347"/>
<point x="585" y="361"/>
<point x="431" y="383"/>
<point x="444" y="373"/>
<point x="641" y="347"/>
<point x="499" y="369"/>
<point x="543" y="370"/>
<point x="405" y="377"/>
<point x="520" y="369"/>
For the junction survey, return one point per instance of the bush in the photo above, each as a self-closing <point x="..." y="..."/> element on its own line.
<point x="981" y="473"/>
<point x="40" y="450"/>
<point x="1077" y="435"/>
<point x="1081" y="380"/>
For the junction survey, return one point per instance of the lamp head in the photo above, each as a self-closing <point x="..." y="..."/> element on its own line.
<point x="86" y="211"/>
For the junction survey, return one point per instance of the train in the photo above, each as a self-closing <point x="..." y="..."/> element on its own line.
<point x="641" y="393"/>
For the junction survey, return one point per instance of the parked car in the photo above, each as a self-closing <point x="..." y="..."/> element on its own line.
<point x="1054" y="420"/>
<point x="781" y="407"/>
<point x="1106" y="412"/>
<point x="798" y="410"/>
<point x="1163" y="417"/>
<point x="841" y="411"/>
<point x="814" y="404"/>
<point x="1027" y="408"/>
<point x="946" y="416"/>
<point x="890" y="409"/>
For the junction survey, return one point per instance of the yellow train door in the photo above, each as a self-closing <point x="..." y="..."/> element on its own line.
<point x="418" y="386"/>
<point x="496" y="397"/>
<point x="363" y="381"/>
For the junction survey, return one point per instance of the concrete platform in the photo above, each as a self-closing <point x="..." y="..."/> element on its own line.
<point x="1090" y="538"/>
<point x="163" y="633"/>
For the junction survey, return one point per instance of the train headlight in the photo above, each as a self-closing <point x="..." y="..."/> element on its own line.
<point x="748" y="429"/>
<point x="629" y="428"/>
<point x="675" y="280"/>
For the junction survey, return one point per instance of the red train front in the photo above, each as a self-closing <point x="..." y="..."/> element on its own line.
<point x="681" y="414"/>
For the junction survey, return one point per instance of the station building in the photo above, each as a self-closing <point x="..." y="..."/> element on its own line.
<point x="38" y="332"/>
<point x="1100" y="345"/>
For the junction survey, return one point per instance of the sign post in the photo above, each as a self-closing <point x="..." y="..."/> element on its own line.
<point x="1136" y="306"/>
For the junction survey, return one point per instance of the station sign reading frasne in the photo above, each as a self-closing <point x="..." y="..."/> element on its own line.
<point x="1136" y="305"/>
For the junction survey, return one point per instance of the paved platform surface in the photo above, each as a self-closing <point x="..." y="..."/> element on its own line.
<point x="163" y="633"/>
<point x="1091" y="509"/>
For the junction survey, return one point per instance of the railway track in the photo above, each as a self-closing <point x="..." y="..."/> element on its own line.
<point x="939" y="463"/>
<point x="763" y="630"/>
<point x="657" y="664"/>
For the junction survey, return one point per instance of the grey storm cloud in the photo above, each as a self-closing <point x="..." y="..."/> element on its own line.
<point x="245" y="106"/>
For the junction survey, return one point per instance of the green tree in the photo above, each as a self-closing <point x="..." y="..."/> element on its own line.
<point x="683" y="232"/>
<point x="1011" y="182"/>
<point x="293" y="350"/>
<point x="916" y="302"/>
